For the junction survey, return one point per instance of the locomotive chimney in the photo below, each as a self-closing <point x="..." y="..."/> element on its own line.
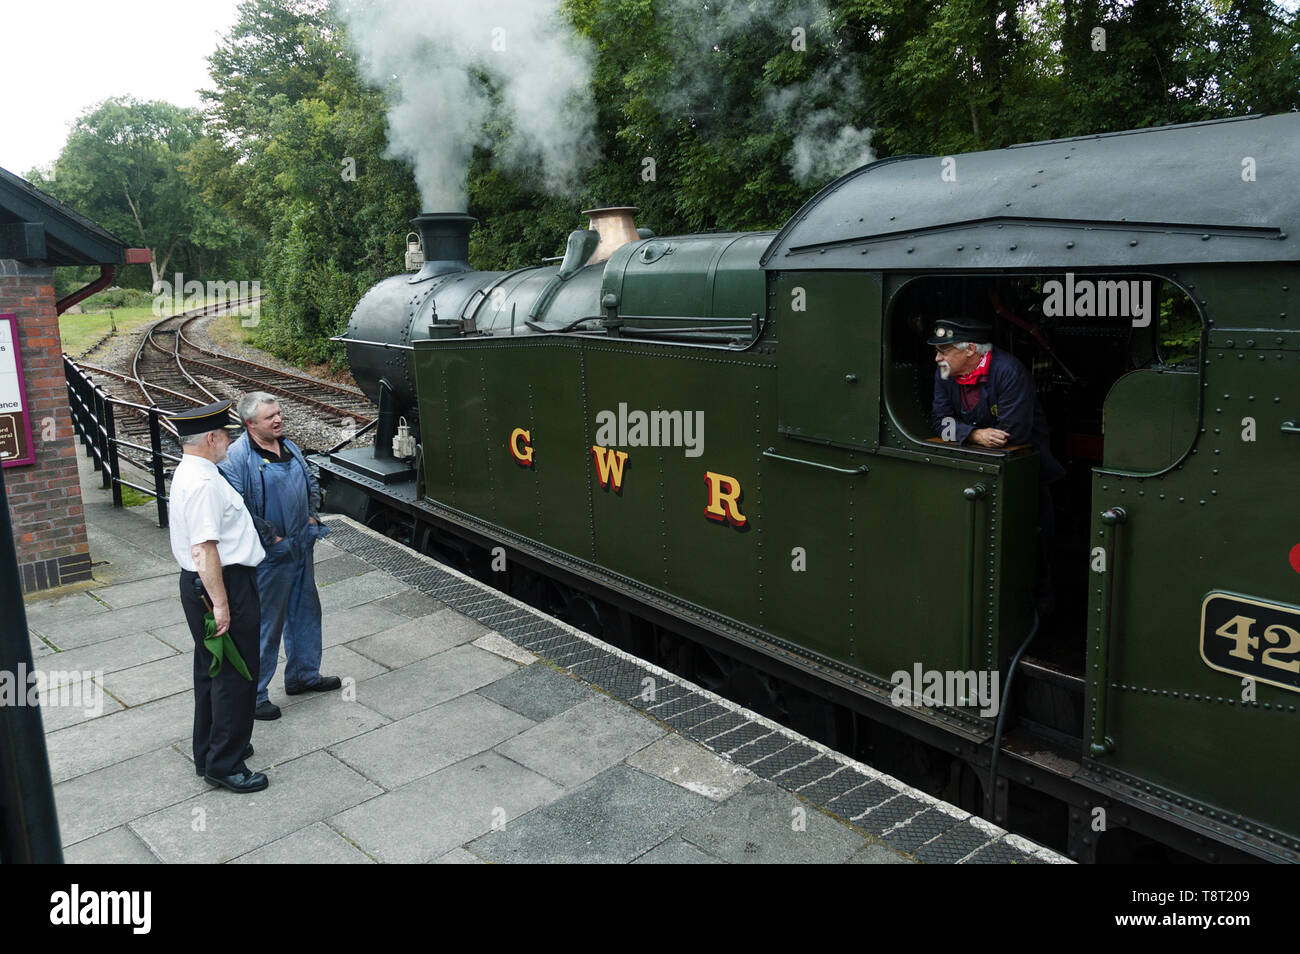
<point x="445" y="237"/>
<point x="615" y="226"/>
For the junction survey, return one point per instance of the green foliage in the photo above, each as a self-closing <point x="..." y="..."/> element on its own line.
<point x="117" y="298"/>
<point x="121" y="166"/>
<point x="289" y="122"/>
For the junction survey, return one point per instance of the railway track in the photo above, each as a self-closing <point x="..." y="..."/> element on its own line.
<point x="173" y="372"/>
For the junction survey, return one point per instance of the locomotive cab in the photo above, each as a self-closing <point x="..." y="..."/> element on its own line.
<point x="1118" y="389"/>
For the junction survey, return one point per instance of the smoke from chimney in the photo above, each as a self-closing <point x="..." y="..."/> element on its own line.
<point x="426" y="54"/>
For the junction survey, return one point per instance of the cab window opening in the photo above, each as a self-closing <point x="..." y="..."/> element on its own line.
<point x="1077" y="349"/>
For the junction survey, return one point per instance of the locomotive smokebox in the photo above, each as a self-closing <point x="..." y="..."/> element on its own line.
<point x="404" y="308"/>
<point x="445" y="237"/>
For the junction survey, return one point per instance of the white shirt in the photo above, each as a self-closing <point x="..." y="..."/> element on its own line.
<point x="205" y="507"/>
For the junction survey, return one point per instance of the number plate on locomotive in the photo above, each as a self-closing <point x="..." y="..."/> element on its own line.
<point x="1248" y="637"/>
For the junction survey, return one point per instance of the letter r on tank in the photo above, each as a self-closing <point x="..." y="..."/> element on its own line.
<point x="724" y="499"/>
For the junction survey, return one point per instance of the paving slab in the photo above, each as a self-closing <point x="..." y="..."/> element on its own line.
<point x="120" y="846"/>
<point x="613" y="819"/>
<point x="344" y="626"/>
<point x="429" y="817"/>
<point x="57" y="609"/>
<point x="137" y="526"/>
<point x="317" y="844"/>
<point x="153" y="680"/>
<point x="148" y="590"/>
<point x="427" y="683"/>
<point x="762" y="824"/>
<point x="72" y="634"/>
<point x="357" y="590"/>
<point x="123" y="735"/>
<point x="411" y="603"/>
<point x="342" y="567"/>
<point x="877" y="855"/>
<point x="111" y="655"/>
<point x="219" y="825"/>
<point x="496" y="643"/>
<point x="537" y="691"/>
<point x="334" y="661"/>
<point x="105" y="799"/>
<point x="117" y="560"/>
<point x="694" y="768"/>
<point x="323" y="720"/>
<point x="457" y="856"/>
<point x="324" y="550"/>
<point x="175" y="635"/>
<point x="675" y="851"/>
<point x="422" y="744"/>
<point x="62" y="707"/>
<point x="582" y="742"/>
<point x="419" y="638"/>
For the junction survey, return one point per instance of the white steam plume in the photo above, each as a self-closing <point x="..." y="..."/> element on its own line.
<point x="819" y="113"/>
<point x="825" y="143"/>
<point x="431" y="55"/>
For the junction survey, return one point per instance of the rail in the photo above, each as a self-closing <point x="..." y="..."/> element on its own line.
<point x="94" y="420"/>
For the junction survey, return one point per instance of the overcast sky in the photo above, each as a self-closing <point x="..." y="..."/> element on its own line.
<point x="61" y="56"/>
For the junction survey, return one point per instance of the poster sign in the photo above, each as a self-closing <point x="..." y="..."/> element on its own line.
<point x="15" y="426"/>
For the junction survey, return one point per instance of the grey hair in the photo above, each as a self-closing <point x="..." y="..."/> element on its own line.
<point x="979" y="348"/>
<point x="189" y="440"/>
<point x="250" y="402"/>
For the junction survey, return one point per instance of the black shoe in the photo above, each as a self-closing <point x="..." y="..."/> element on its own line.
<point x="247" y="754"/>
<point x="241" y="782"/>
<point x="323" y="684"/>
<point x="266" y="711"/>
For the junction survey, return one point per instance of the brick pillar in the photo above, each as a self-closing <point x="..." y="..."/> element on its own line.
<point x="45" y="506"/>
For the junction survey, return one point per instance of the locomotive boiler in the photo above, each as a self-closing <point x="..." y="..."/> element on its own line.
<point x="731" y="434"/>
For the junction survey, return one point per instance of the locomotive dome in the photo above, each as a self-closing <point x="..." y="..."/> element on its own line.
<point x="1220" y="191"/>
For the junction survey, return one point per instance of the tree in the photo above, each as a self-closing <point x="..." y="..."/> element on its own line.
<point x="294" y="150"/>
<point x="121" y="166"/>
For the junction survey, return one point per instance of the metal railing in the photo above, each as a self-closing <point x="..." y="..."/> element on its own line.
<point x="94" y="419"/>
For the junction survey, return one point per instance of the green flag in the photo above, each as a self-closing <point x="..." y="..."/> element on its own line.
<point x="222" y="647"/>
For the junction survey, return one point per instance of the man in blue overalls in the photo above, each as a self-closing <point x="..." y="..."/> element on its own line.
<point x="984" y="396"/>
<point x="270" y="473"/>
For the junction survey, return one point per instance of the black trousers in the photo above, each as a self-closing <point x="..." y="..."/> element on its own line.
<point x="223" y="707"/>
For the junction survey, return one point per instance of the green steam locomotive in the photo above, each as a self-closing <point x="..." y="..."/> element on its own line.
<point x="731" y="435"/>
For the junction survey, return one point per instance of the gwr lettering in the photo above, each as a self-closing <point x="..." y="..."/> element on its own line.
<point x="521" y="448"/>
<point x="609" y="467"/>
<point x="724" y="499"/>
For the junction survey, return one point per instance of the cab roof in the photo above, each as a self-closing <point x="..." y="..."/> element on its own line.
<point x="1221" y="191"/>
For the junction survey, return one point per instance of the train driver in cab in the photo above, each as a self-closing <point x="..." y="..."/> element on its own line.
<point x="983" y="396"/>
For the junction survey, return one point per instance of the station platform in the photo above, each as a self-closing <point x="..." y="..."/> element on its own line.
<point x="471" y="728"/>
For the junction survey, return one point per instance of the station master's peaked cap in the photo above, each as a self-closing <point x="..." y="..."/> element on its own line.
<point x="200" y="420"/>
<point x="953" y="330"/>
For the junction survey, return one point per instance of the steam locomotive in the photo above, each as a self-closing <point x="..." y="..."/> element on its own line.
<point x="728" y="435"/>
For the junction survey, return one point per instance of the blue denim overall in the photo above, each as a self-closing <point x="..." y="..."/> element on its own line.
<point x="286" y="579"/>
